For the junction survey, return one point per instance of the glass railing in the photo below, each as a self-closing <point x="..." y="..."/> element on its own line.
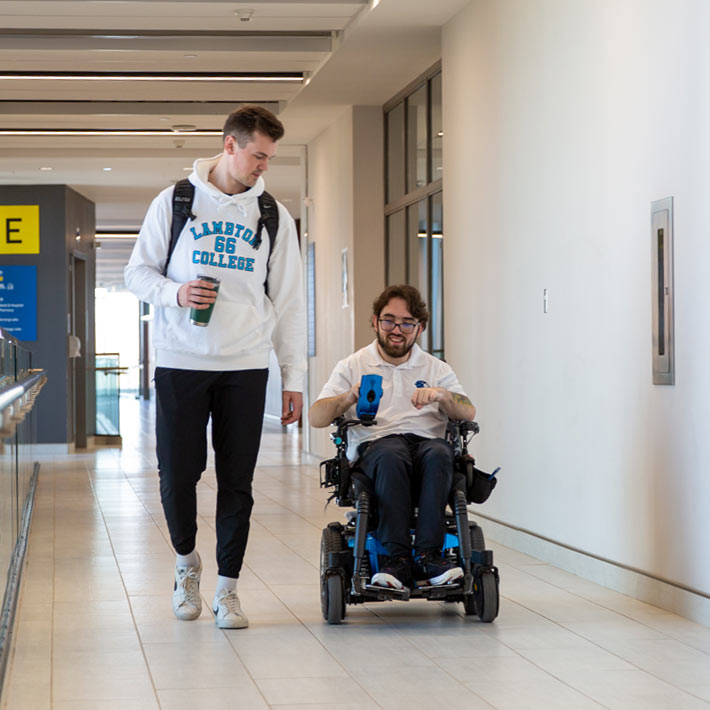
<point x="19" y="387"/>
<point x="108" y="393"/>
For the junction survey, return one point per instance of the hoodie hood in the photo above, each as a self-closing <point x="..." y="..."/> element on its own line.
<point x="200" y="179"/>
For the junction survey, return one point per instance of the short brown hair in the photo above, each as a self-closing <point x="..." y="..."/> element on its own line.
<point x="243" y="122"/>
<point x="410" y="295"/>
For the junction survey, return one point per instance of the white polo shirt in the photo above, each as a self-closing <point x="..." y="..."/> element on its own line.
<point x="396" y="413"/>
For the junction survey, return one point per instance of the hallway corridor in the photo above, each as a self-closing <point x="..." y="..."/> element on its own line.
<point x="95" y="628"/>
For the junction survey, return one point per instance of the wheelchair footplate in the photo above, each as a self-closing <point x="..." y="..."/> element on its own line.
<point x="425" y="591"/>
<point x="385" y="594"/>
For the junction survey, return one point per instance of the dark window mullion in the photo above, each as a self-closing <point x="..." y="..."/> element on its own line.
<point x="429" y="159"/>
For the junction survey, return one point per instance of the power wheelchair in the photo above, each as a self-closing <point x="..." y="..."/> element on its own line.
<point x="350" y="552"/>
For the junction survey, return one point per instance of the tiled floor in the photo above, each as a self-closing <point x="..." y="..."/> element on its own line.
<point x="96" y="630"/>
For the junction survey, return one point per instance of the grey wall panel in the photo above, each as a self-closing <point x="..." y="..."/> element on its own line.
<point x="60" y="210"/>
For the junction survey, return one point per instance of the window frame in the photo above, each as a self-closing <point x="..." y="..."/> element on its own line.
<point x="425" y="192"/>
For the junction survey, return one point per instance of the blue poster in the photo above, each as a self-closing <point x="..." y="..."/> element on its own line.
<point x="18" y="301"/>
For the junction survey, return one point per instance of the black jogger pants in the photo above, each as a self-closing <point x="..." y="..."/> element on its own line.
<point x="409" y="470"/>
<point x="185" y="400"/>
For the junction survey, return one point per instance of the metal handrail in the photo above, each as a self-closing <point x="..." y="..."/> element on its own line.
<point x="17" y="398"/>
<point x="6" y="335"/>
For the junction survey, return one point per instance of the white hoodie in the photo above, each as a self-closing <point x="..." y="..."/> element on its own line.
<point x="245" y="321"/>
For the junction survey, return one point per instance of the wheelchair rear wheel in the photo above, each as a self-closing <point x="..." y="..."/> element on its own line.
<point x="478" y="542"/>
<point x="332" y="595"/>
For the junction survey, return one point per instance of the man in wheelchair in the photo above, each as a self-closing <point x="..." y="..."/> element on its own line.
<point x="404" y="454"/>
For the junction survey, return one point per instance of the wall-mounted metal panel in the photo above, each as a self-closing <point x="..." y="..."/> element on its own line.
<point x="662" y="291"/>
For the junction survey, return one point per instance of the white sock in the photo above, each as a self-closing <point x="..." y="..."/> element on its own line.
<point x="227" y="584"/>
<point x="191" y="560"/>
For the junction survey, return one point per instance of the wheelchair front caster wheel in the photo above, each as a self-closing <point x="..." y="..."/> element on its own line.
<point x="335" y="603"/>
<point x="485" y="596"/>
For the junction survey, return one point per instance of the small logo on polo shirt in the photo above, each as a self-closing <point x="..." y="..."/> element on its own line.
<point x="420" y="384"/>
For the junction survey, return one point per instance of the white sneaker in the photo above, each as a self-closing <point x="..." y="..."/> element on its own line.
<point x="187" y="603"/>
<point x="227" y="611"/>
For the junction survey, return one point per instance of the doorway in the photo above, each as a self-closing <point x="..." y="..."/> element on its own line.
<point x="78" y="343"/>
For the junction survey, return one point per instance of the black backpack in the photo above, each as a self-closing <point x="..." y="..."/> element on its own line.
<point x="183" y="197"/>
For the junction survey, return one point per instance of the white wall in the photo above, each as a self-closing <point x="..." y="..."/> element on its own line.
<point x="345" y="183"/>
<point x="330" y="226"/>
<point x="563" y="120"/>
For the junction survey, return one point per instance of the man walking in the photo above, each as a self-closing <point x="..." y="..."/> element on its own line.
<point x="220" y="370"/>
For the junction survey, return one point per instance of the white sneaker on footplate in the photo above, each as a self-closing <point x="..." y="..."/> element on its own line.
<point x="187" y="603"/>
<point x="228" y="612"/>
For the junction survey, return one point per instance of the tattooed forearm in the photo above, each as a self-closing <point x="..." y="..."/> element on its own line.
<point x="461" y="399"/>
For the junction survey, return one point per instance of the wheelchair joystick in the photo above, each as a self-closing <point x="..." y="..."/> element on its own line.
<point x="369" y="400"/>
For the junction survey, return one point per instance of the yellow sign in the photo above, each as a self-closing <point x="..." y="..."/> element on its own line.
<point x="19" y="229"/>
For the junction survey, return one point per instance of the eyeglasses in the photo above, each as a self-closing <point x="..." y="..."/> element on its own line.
<point x="404" y="328"/>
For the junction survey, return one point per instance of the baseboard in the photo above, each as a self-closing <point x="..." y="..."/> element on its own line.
<point x="689" y="603"/>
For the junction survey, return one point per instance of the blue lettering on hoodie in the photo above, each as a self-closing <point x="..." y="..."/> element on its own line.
<point x="209" y="258"/>
<point x="226" y="228"/>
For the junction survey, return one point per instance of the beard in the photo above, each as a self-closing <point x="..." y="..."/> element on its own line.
<point x="395" y="350"/>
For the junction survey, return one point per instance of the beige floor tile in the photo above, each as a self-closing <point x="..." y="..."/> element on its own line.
<point x="245" y="696"/>
<point x="29" y="684"/>
<point x="633" y="690"/>
<point x="134" y="704"/>
<point x="100" y="675"/>
<point x="418" y="687"/>
<point x="327" y="691"/>
<point x="209" y="665"/>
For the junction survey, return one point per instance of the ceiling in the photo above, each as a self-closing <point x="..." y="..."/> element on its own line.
<point x="313" y="59"/>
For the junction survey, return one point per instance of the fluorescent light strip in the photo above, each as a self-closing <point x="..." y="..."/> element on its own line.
<point x="116" y="235"/>
<point x="100" y="132"/>
<point x="147" y="77"/>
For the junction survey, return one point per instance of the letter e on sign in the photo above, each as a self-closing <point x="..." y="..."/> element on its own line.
<point x="19" y="229"/>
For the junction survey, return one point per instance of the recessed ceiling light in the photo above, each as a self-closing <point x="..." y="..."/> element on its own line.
<point x="108" y="169"/>
<point x="187" y="168"/>
<point x="46" y="168"/>
<point x="190" y="56"/>
<point x="183" y="127"/>
<point x="156" y="76"/>
<point x="101" y="132"/>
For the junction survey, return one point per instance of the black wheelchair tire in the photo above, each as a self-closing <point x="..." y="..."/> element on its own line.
<point x="485" y="595"/>
<point x="331" y="541"/>
<point x="336" y="604"/>
<point x="478" y="542"/>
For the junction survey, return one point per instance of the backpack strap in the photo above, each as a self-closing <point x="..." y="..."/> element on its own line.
<point x="268" y="218"/>
<point x="183" y="197"/>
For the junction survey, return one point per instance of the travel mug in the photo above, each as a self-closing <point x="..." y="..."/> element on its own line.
<point x="201" y="316"/>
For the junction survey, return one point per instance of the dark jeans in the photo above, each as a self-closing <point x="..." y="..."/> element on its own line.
<point x="408" y="470"/>
<point x="185" y="399"/>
